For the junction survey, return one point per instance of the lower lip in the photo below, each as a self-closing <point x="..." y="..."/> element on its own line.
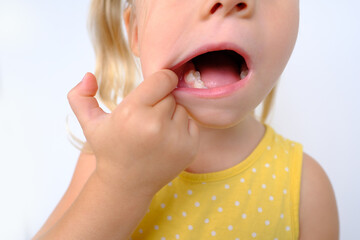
<point x="218" y="92"/>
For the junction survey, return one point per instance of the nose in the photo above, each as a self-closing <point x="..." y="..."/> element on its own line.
<point x="239" y="8"/>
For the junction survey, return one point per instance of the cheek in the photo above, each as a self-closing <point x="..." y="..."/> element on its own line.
<point x="280" y="28"/>
<point x="155" y="45"/>
<point x="288" y="35"/>
<point x="158" y="41"/>
<point x="283" y="38"/>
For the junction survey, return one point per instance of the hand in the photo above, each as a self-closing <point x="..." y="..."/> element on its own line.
<point x="146" y="141"/>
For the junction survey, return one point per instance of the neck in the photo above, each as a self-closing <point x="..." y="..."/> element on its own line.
<point x="224" y="148"/>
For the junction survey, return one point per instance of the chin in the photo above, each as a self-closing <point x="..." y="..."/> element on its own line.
<point x="216" y="120"/>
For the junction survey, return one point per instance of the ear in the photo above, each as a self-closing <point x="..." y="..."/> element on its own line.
<point x="132" y="31"/>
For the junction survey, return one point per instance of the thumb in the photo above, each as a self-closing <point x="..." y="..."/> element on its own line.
<point x="83" y="102"/>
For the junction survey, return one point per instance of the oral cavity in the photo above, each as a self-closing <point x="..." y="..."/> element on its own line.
<point x="214" y="69"/>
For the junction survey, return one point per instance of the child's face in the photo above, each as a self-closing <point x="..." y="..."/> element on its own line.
<point x="264" y="33"/>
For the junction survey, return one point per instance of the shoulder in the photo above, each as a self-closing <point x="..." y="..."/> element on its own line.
<point x="318" y="210"/>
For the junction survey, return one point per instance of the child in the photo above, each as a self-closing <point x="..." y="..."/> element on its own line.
<point x="182" y="156"/>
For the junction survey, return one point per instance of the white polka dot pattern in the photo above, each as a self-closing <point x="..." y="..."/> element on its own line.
<point x="252" y="202"/>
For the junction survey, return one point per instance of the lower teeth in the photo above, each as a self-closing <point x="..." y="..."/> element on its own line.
<point x="244" y="73"/>
<point x="193" y="78"/>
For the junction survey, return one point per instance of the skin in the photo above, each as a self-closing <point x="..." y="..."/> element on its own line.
<point x="268" y="41"/>
<point x="180" y="131"/>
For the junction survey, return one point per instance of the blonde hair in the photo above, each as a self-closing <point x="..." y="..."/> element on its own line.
<point x="116" y="68"/>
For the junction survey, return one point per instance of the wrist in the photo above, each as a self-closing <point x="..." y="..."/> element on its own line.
<point x="122" y="183"/>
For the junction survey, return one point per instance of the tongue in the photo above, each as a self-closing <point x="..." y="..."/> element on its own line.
<point x="217" y="69"/>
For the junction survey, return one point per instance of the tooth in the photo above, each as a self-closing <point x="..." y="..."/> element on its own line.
<point x="199" y="84"/>
<point x="244" y="73"/>
<point x="197" y="75"/>
<point x="190" y="78"/>
<point x="193" y="79"/>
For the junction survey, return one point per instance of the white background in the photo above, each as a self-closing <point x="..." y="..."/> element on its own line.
<point x="45" y="50"/>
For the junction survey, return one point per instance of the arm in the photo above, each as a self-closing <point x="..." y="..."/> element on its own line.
<point x="84" y="168"/>
<point x="318" y="212"/>
<point x="99" y="212"/>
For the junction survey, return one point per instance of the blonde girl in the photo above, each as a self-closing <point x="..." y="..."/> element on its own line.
<point x="182" y="156"/>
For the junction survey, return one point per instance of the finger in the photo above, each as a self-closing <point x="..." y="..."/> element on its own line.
<point x="193" y="129"/>
<point x="83" y="102"/>
<point x="166" y="106"/>
<point x="154" y="88"/>
<point x="180" y="116"/>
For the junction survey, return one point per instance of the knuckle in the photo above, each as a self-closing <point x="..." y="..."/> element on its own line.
<point x="154" y="128"/>
<point x="123" y="115"/>
<point x="126" y="112"/>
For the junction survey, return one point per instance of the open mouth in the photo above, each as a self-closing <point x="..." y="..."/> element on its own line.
<point x="212" y="70"/>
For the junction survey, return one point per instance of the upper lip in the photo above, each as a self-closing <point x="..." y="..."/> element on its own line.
<point x="211" y="48"/>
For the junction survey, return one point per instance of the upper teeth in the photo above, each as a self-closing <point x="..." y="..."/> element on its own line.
<point x="193" y="79"/>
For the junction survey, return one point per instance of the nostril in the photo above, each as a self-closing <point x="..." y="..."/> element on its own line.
<point x="215" y="7"/>
<point x="241" y="6"/>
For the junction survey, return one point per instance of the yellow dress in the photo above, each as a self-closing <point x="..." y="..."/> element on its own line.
<point x="256" y="199"/>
